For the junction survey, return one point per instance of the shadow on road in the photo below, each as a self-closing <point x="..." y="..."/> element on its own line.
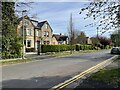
<point x="45" y="82"/>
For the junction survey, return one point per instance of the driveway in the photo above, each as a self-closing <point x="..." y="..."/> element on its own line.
<point x="50" y="72"/>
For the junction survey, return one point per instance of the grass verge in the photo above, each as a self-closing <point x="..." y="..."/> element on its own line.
<point x="109" y="76"/>
<point x="105" y="78"/>
<point x="14" y="61"/>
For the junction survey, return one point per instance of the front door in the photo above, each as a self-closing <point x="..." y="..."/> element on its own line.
<point x="38" y="43"/>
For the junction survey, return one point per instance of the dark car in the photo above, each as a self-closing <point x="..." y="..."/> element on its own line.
<point x="115" y="50"/>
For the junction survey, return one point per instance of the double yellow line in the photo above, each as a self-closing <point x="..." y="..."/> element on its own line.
<point x="77" y="77"/>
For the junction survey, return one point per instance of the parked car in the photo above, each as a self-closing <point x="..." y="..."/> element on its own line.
<point x="115" y="50"/>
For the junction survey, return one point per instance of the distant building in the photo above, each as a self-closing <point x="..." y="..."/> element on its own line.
<point x="60" y="39"/>
<point x="88" y="40"/>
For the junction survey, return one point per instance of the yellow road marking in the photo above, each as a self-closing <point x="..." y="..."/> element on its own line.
<point x="77" y="77"/>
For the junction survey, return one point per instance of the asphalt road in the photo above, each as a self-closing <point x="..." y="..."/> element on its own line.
<point x="49" y="72"/>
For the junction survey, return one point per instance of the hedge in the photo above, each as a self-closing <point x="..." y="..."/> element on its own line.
<point x="56" y="48"/>
<point x="84" y="47"/>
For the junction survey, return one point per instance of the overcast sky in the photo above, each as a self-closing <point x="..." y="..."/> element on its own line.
<point x="58" y="14"/>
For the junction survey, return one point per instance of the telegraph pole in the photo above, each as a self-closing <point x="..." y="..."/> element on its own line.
<point x="23" y="55"/>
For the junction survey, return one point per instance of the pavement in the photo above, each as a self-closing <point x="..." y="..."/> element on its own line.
<point x="51" y="71"/>
<point x="35" y="56"/>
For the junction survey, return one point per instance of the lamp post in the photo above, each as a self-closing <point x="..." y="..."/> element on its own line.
<point x="23" y="57"/>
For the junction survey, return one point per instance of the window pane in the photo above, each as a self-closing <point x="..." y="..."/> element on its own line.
<point x="28" y="43"/>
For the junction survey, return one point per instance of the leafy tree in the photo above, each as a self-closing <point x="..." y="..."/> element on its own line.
<point x="106" y="12"/>
<point x="11" y="43"/>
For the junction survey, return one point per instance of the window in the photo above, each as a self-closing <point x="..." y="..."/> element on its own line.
<point x="39" y="34"/>
<point x="46" y="34"/>
<point x="46" y="42"/>
<point x="28" y="43"/>
<point x="29" y="32"/>
<point x="26" y="23"/>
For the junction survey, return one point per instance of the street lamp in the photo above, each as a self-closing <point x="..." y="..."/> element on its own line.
<point x="23" y="33"/>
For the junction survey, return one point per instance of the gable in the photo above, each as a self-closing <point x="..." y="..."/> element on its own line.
<point x="42" y="25"/>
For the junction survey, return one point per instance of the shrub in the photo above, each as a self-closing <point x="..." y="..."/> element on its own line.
<point x="56" y="48"/>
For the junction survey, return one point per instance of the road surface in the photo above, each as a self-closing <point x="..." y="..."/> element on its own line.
<point x="49" y="72"/>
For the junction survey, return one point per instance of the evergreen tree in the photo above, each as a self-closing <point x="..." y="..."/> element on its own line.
<point x="11" y="43"/>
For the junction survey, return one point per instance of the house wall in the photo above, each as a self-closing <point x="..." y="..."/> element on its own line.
<point x="29" y="32"/>
<point x="54" y="41"/>
<point x="89" y="41"/>
<point x="48" y="29"/>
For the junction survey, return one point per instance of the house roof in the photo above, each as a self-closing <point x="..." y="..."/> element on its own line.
<point x="35" y="23"/>
<point x="60" y="37"/>
<point x="40" y="24"/>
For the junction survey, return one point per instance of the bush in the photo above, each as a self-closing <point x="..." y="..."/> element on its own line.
<point x="30" y="49"/>
<point x="107" y="47"/>
<point x="56" y="48"/>
<point x="11" y="47"/>
<point x="84" y="47"/>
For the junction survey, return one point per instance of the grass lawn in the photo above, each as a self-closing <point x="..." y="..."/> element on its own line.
<point x="14" y="61"/>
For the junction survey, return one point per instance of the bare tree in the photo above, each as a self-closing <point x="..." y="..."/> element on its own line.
<point x="71" y="33"/>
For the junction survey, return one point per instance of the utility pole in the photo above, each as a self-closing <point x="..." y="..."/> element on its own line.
<point x="23" y="55"/>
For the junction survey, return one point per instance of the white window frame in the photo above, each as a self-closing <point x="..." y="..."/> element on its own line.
<point x="29" y="32"/>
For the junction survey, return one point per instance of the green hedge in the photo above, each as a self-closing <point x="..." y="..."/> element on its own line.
<point x="84" y="47"/>
<point x="56" y="48"/>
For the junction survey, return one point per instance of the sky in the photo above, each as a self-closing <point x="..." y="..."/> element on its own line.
<point x="58" y="14"/>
